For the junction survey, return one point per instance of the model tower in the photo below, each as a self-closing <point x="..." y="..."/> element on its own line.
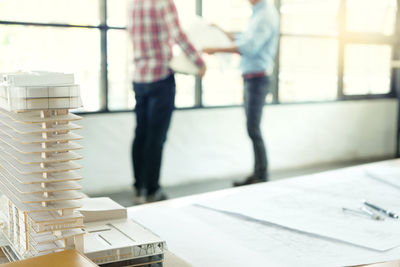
<point x="38" y="162"/>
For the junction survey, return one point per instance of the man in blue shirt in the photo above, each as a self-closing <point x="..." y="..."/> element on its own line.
<point x="257" y="47"/>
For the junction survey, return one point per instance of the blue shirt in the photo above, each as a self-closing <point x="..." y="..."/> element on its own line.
<point x="258" y="44"/>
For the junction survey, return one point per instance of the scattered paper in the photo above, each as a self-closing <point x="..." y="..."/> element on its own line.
<point x="208" y="238"/>
<point x="316" y="208"/>
<point x="385" y="174"/>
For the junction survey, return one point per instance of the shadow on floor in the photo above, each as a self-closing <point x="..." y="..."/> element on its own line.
<point x="125" y="198"/>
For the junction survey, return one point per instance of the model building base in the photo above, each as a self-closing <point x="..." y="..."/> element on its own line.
<point x="132" y="254"/>
<point x="110" y="238"/>
<point x="122" y="243"/>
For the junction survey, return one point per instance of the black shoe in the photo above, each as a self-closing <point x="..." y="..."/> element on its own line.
<point x="249" y="180"/>
<point x="159" y="195"/>
<point x="139" y="196"/>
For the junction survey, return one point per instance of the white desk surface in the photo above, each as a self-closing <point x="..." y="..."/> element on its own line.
<point x="204" y="237"/>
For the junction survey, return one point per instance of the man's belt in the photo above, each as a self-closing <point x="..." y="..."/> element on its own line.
<point x="255" y="75"/>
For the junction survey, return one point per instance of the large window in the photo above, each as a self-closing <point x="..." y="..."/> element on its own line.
<point x="335" y="49"/>
<point x="308" y="69"/>
<point x="368" y="46"/>
<point x="371" y="16"/>
<point x="49" y="11"/>
<point x="367" y="69"/>
<point x="62" y="35"/>
<point x="308" y="62"/>
<point x="222" y="84"/>
<point x="329" y="49"/>
<point x="74" y="50"/>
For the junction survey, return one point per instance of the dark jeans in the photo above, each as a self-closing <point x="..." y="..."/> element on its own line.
<point x="255" y="91"/>
<point x="154" y="106"/>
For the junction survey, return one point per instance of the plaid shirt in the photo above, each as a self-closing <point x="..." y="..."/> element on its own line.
<point x="155" y="28"/>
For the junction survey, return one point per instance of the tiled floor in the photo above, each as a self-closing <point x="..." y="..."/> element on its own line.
<point x="125" y="198"/>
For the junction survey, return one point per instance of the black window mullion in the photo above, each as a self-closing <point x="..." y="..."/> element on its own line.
<point x="341" y="43"/>
<point x="61" y="25"/>
<point x="275" y="92"/>
<point x="395" y="85"/>
<point x="198" y="95"/>
<point x="395" y="88"/>
<point x="104" y="57"/>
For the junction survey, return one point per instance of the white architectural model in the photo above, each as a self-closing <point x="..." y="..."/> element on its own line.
<point x="38" y="178"/>
<point x="38" y="162"/>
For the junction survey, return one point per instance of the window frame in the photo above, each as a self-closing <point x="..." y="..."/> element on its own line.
<point x="343" y="37"/>
<point x="346" y="37"/>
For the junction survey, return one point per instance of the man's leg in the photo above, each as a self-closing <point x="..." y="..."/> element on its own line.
<point x="160" y="107"/>
<point x="140" y="136"/>
<point x="255" y="92"/>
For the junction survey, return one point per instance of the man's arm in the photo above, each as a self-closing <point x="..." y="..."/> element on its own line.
<point x="213" y="50"/>
<point x="171" y="22"/>
<point x="248" y="43"/>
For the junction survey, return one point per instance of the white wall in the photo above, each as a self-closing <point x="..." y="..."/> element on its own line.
<point x="213" y="143"/>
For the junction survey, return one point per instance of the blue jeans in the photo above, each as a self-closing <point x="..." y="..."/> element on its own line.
<point x="154" y="106"/>
<point x="255" y="91"/>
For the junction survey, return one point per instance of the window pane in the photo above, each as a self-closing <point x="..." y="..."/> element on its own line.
<point x="309" y="16"/>
<point x="372" y="16"/>
<point x="117" y="13"/>
<point x="308" y="69"/>
<point x="50" y="11"/>
<point x="367" y="69"/>
<point x="185" y="90"/>
<point x="120" y="69"/>
<point x="55" y="49"/>
<point x="186" y="11"/>
<point x="185" y="84"/>
<point x="222" y="84"/>
<point x="234" y="17"/>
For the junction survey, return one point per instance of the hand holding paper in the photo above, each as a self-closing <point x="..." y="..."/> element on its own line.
<point x="202" y="71"/>
<point x="201" y="34"/>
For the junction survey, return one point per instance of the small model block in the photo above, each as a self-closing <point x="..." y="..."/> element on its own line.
<point x="27" y="91"/>
<point x="37" y="162"/>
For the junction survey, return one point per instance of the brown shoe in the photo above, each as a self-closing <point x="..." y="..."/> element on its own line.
<point x="248" y="181"/>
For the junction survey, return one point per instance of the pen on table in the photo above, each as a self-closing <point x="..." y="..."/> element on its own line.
<point x="362" y="214"/>
<point x="372" y="214"/>
<point x="386" y="212"/>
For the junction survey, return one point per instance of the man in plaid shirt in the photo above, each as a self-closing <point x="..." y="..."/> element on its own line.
<point x="154" y="30"/>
